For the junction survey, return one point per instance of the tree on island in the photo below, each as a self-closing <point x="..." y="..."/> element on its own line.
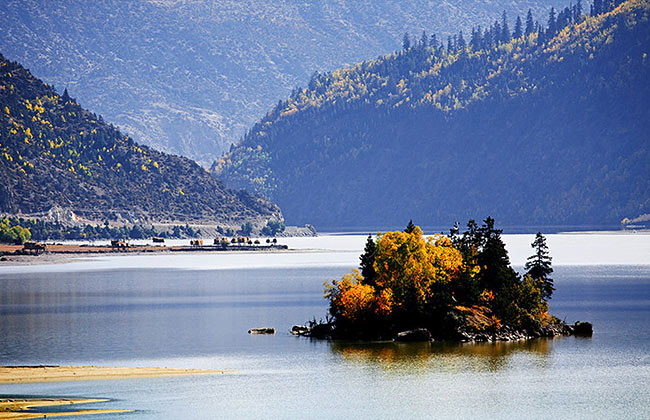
<point x="538" y="266"/>
<point x="368" y="261"/>
<point x="410" y="227"/>
<point x="452" y="286"/>
<point x="496" y="274"/>
<point x="411" y="277"/>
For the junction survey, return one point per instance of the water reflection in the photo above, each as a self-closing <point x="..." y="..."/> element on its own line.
<point x="487" y="357"/>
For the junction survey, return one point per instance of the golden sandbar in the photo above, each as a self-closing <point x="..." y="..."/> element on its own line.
<point x="13" y="408"/>
<point x="29" y="374"/>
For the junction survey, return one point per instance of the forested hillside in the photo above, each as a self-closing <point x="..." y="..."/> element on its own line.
<point x="531" y="123"/>
<point x="56" y="156"/>
<point x="190" y="77"/>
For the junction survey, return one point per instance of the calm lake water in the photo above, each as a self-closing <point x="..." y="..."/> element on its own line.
<point x="194" y="311"/>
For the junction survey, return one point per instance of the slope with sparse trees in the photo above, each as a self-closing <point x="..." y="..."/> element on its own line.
<point x="56" y="155"/>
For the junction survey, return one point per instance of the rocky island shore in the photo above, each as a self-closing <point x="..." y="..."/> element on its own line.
<point x="459" y="287"/>
<point x="462" y="333"/>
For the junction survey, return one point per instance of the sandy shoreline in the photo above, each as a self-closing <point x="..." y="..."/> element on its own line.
<point x="14" y="408"/>
<point x="32" y="374"/>
<point x="27" y="408"/>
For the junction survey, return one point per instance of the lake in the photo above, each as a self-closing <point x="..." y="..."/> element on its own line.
<point x="193" y="311"/>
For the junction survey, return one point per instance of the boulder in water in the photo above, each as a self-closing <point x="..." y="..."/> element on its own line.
<point x="300" y="330"/>
<point x="418" y="334"/>
<point x="583" y="328"/>
<point x="261" y="331"/>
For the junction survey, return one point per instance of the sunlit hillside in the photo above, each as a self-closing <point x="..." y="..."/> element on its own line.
<point x="55" y="154"/>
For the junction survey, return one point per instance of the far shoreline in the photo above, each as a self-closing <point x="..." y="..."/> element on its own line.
<point x="88" y="251"/>
<point x="11" y="260"/>
<point x="547" y="230"/>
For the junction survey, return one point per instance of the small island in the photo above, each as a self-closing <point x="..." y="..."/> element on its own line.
<point x="458" y="287"/>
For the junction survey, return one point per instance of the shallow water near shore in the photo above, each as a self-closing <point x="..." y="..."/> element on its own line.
<point x="194" y="312"/>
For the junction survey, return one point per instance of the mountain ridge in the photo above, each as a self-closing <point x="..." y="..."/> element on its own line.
<point x="190" y="77"/>
<point x="548" y="128"/>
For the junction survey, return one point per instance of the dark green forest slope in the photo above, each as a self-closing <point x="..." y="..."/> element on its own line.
<point x="56" y="155"/>
<point x="534" y="124"/>
<point x="188" y="77"/>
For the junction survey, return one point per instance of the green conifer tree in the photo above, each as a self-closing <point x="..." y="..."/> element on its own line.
<point x="505" y="30"/>
<point x="538" y="266"/>
<point x="496" y="270"/>
<point x="518" y="32"/>
<point x="552" y="23"/>
<point x="497" y="275"/>
<point x="406" y="41"/>
<point x="460" y="42"/>
<point x="367" y="265"/>
<point x="434" y="41"/>
<point x="530" y="24"/>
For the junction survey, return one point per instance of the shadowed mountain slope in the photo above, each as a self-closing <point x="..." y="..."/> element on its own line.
<point x="547" y="128"/>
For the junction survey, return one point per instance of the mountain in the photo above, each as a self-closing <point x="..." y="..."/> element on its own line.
<point x="189" y="77"/>
<point x="549" y="127"/>
<point x="56" y="156"/>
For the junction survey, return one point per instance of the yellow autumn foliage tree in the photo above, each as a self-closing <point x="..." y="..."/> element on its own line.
<point x="415" y="274"/>
<point x="419" y="270"/>
<point x="356" y="302"/>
